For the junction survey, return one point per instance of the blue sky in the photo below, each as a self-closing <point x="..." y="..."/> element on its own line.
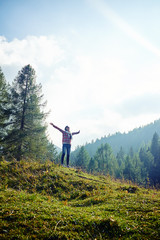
<point x="98" y="61"/>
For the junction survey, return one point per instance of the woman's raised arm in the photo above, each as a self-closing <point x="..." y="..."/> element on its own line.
<point x="57" y="127"/>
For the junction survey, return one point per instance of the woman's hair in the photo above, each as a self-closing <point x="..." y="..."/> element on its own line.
<point x="66" y="128"/>
<point x="70" y="134"/>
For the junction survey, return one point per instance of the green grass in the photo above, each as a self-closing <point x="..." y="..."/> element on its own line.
<point x="47" y="201"/>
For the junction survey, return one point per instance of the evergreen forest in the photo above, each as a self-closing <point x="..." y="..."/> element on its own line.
<point x="141" y="167"/>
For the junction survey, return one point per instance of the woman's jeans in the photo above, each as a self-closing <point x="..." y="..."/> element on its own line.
<point x="66" y="148"/>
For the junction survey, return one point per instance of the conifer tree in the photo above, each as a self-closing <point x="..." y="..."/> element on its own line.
<point x="27" y="136"/>
<point x="131" y="152"/>
<point x="4" y="110"/>
<point x="106" y="160"/>
<point x="128" y="172"/>
<point x="92" y="166"/>
<point x="155" y="150"/>
<point x="121" y="163"/>
<point x="155" y="146"/>
<point x="52" y="154"/>
<point x="120" y="156"/>
<point x="139" y="172"/>
<point x="146" y="158"/>
<point x="82" y="158"/>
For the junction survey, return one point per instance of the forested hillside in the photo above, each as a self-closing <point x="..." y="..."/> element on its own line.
<point x="141" y="165"/>
<point x="133" y="139"/>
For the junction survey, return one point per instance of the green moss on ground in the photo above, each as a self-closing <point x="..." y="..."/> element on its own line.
<point x="47" y="201"/>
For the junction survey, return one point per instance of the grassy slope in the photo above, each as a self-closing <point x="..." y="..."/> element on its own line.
<point x="46" y="201"/>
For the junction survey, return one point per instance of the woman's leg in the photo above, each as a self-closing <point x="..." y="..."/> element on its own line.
<point x="63" y="153"/>
<point x="68" y="153"/>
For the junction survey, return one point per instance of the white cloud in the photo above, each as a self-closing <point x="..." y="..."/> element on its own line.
<point x="34" y="50"/>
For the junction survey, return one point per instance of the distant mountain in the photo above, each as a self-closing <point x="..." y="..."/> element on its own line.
<point x="135" y="139"/>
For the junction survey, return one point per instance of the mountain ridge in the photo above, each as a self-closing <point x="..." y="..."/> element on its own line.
<point x="133" y="139"/>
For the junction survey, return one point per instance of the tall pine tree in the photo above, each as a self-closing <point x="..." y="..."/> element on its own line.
<point x="106" y="160"/>
<point x="4" y="110"/>
<point x="155" y="150"/>
<point x="82" y="158"/>
<point x="27" y="136"/>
